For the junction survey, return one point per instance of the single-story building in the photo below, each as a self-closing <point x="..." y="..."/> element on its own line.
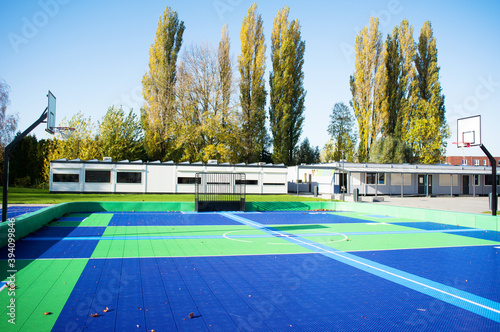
<point x="391" y="179"/>
<point x="107" y="176"/>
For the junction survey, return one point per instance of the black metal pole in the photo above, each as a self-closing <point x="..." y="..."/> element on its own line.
<point x="8" y="150"/>
<point x="494" y="198"/>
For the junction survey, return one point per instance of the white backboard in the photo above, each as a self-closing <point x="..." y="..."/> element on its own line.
<point x="469" y="131"/>
<point x="51" y="116"/>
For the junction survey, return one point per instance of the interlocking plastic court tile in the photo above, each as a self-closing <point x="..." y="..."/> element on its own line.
<point x="68" y="232"/>
<point x="42" y="285"/>
<point x="404" y="241"/>
<point x="472" y="269"/>
<point x="280" y="218"/>
<point x="270" y="293"/>
<point x="428" y="225"/>
<point x="16" y="211"/>
<point x="28" y="249"/>
<point x="169" y="219"/>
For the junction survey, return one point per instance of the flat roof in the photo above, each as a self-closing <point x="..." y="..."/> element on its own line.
<point x="403" y="168"/>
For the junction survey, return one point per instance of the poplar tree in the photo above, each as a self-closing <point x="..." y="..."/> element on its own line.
<point x="287" y="87"/>
<point x="427" y="128"/>
<point x="341" y="130"/>
<point x="368" y="87"/>
<point x="400" y="73"/>
<point x="158" y="115"/>
<point x="251" y="65"/>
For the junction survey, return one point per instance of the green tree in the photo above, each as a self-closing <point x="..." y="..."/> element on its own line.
<point x="251" y="65"/>
<point x="287" y="87"/>
<point x="341" y="130"/>
<point x="401" y="73"/>
<point x="305" y="153"/>
<point x="26" y="162"/>
<point x="389" y="149"/>
<point x="427" y="128"/>
<point x="368" y="87"/>
<point x="120" y="135"/>
<point x="82" y="144"/>
<point x="206" y="105"/>
<point x="158" y="116"/>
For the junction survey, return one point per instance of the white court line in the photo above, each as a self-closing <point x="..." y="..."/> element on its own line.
<point x="376" y="268"/>
<point x="401" y="277"/>
<point x="230" y="238"/>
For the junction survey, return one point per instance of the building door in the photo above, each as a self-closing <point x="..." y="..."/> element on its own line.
<point x="465" y="185"/>
<point x="343" y="182"/>
<point x="421" y="184"/>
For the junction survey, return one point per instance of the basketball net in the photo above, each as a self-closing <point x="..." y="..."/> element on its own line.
<point x="65" y="132"/>
<point x="462" y="145"/>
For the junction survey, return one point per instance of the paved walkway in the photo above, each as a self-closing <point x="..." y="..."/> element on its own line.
<point x="457" y="204"/>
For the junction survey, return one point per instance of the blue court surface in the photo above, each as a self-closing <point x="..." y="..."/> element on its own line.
<point x="18" y="210"/>
<point x="254" y="271"/>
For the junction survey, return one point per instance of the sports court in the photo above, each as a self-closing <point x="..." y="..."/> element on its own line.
<point x="260" y="271"/>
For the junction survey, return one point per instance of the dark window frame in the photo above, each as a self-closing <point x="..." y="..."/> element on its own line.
<point x="488" y="182"/>
<point x="64" y="177"/>
<point x="129" y="177"/>
<point x="188" y="180"/>
<point x="97" y="176"/>
<point x="247" y="182"/>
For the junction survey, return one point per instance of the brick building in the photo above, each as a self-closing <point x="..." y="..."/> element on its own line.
<point x="470" y="160"/>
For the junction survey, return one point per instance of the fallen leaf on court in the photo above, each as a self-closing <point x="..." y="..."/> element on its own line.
<point x="47" y="313"/>
<point x="106" y="310"/>
<point x="191" y="315"/>
<point x="94" y="315"/>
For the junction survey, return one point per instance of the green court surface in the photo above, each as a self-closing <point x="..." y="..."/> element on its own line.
<point x="42" y="286"/>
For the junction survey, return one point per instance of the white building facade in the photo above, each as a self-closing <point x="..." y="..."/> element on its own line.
<point x="93" y="176"/>
<point x="391" y="179"/>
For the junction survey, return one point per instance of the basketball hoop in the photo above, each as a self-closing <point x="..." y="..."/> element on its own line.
<point x="462" y="145"/>
<point x="65" y="132"/>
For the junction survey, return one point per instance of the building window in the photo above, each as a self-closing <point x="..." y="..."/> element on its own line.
<point x="98" y="176"/>
<point x="247" y="182"/>
<point x="488" y="180"/>
<point x="476" y="180"/>
<point x="129" y="177"/>
<point x="446" y="179"/>
<point x="66" y="178"/>
<point x="464" y="161"/>
<point x="484" y="162"/>
<point x="476" y="162"/>
<point x="186" y="180"/>
<point x="499" y="163"/>
<point x="371" y="178"/>
<point x="396" y="179"/>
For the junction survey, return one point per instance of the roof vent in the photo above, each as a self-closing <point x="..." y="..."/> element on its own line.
<point x="108" y="159"/>
<point x="212" y="162"/>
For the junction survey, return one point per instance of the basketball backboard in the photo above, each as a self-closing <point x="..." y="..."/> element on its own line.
<point x="51" y="116"/>
<point x="469" y="131"/>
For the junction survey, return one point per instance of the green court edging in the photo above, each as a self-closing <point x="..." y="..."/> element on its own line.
<point x="31" y="222"/>
<point x="444" y="217"/>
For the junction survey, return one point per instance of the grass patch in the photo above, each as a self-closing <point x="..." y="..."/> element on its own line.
<point x="43" y="196"/>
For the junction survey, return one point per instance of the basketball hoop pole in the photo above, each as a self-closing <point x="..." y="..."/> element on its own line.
<point x="8" y="151"/>
<point x="494" y="198"/>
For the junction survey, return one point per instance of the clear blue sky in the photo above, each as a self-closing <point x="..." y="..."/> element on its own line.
<point x="93" y="54"/>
